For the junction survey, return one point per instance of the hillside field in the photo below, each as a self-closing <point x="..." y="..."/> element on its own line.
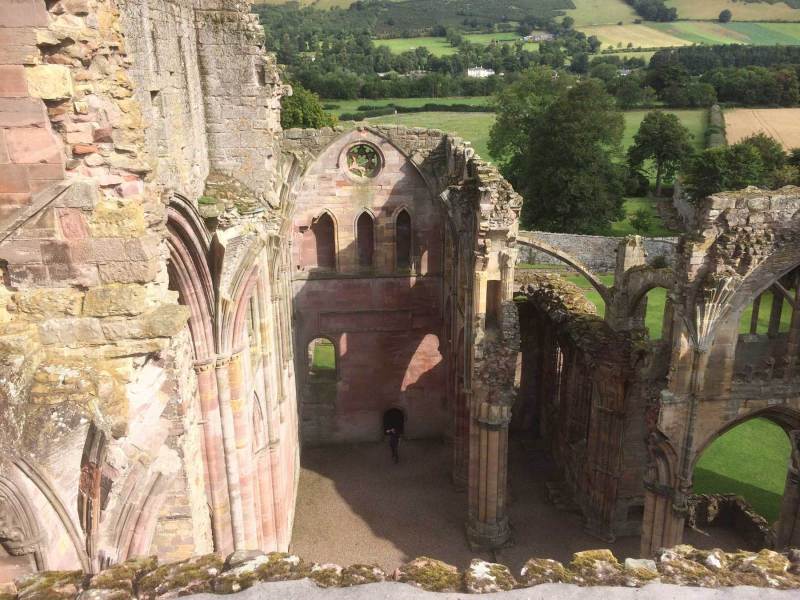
<point x="783" y="124"/>
<point x="439" y="46"/>
<point x="351" y="106"/>
<point x="601" y="12"/>
<point x="685" y="33"/>
<point x="742" y="11"/>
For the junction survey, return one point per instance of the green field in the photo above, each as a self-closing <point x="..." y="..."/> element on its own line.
<point x="708" y="10"/>
<point x="750" y="460"/>
<point x="632" y="206"/>
<point x="473" y="127"/>
<point x="324" y="359"/>
<point x="685" y="33"/>
<point x="695" y="120"/>
<point x="351" y="106"/>
<point x="733" y="33"/>
<point x="439" y="46"/>
<point x="601" y="12"/>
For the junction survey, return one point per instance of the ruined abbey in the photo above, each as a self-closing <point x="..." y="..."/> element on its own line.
<point x="171" y="261"/>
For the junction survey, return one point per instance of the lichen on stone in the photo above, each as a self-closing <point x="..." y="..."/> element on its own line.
<point x="191" y="576"/>
<point x="50" y="585"/>
<point x="596" y="567"/>
<point x="326" y="575"/>
<point x="484" y="577"/>
<point x="124" y="575"/>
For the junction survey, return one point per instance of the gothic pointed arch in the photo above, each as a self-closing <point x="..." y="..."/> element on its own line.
<point x="365" y="239"/>
<point x="403" y="240"/>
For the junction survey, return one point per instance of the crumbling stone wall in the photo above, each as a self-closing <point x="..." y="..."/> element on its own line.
<point x="132" y="392"/>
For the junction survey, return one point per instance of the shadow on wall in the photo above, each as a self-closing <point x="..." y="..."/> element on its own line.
<point x="378" y="299"/>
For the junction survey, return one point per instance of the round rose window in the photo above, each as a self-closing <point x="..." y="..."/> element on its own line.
<point x="363" y="160"/>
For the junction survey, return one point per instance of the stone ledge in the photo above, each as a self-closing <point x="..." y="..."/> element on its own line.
<point x="683" y="566"/>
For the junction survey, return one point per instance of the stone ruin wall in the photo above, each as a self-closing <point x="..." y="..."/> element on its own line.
<point x="109" y="114"/>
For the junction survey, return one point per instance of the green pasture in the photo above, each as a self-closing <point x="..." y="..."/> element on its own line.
<point x="601" y="12"/>
<point x="751" y="461"/>
<point x="351" y="106"/>
<point x="438" y="46"/>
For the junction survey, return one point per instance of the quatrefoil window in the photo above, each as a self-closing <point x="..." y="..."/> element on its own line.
<point x="363" y="161"/>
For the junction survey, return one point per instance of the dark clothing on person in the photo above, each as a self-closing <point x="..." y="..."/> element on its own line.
<point x="394" y="444"/>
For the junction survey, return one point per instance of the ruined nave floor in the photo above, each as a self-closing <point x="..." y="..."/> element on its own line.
<point x="355" y="506"/>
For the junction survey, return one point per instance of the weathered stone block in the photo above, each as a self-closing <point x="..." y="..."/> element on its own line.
<point x="33" y="145"/>
<point x="12" y="81"/>
<point x="124" y="576"/>
<point x="129" y="272"/>
<point x="50" y="82"/>
<point x="50" y="585"/>
<point x="543" y="570"/>
<point x="116" y="219"/>
<point x="71" y="332"/>
<point x="43" y="304"/>
<point x="115" y="300"/>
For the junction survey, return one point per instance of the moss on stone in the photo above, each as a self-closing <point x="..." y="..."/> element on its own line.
<point x="484" y="577"/>
<point x="124" y="575"/>
<point x="361" y="574"/>
<point x="326" y="575"/>
<point x="50" y="585"/>
<point x="191" y="576"/>
<point x="430" y="574"/>
<point x="596" y="567"/>
<point x="538" y="571"/>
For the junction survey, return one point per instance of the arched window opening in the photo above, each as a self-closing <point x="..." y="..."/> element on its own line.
<point x="365" y="240"/>
<point x="767" y="315"/>
<point x="654" y="310"/>
<point x="322" y="360"/>
<point x="750" y="461"/>
<point x="324" y="233"/>
<point x="403" y="240"/>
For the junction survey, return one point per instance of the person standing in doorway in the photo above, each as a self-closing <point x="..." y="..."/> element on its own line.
<point x="394" y="443"/>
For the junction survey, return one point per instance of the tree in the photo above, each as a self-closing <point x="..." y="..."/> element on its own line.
<point x="303" y="109"/>
<point x="562" y="157"/>
<point x="724" y="168"/>
<point x="725" y="16"/>
<point x="771" y="152"/>
<point x="663" y="139"/>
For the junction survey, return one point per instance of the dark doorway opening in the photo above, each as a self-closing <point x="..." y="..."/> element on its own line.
<point x="394" y="419"/>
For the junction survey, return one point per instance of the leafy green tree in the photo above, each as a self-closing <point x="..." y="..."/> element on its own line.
<point x="561" y="151"/>
<point x="519" y="106"/>
<point x="303" y="109"/>
<point x="725" y="16"/>
<point x="663" y="139"/>
<point x="725" y="168"/>
<point x="772" y="153"/>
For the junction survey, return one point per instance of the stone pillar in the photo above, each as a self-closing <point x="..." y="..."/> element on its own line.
<point x="242" y="426"/>
<point x="217" y="479"/>
<point x="508" y="262"/>
<point x="488" y="525"/>
<point x="229" y="446"/>
<point x="788" y="535"/>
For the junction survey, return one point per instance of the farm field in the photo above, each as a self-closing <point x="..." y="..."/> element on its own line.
<point x="742" y="11"/>
<point x="351" y="106"/>
<point x="601" y="12"/>
<point x="750" y="460"/>
<point x="641" y="36"/>
<point x="684" y="33"/>
<point x="783" y="124"/>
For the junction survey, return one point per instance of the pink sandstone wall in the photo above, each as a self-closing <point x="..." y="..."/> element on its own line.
<point x="386" y="326"/>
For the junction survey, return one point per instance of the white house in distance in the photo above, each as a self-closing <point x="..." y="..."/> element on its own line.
<point x="479" y="72"/>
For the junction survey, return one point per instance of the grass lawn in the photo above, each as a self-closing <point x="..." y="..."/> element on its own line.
<point x="695" y="121"/>
<point x="324" y="357"/>
<point x="473" y="127"/>
<point x="351" y="106"/>
<point x="764" y="310"/>
<point x="750" y="460"/>
<point x="438" y="46"/>
<point x="632" y="206"/>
